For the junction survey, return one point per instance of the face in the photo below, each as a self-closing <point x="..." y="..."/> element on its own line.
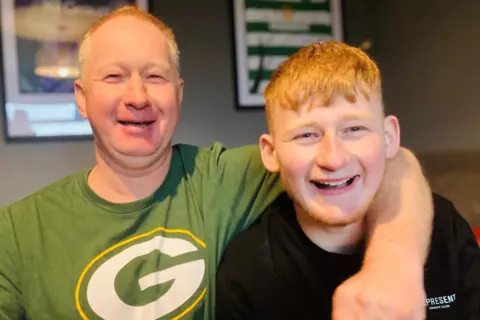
<point x="331" y="159"/>
<point x="130" y="92"/>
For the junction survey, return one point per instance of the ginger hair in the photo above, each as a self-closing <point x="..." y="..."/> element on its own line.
<point x="129" y="11"/>
<point x="317" y="73"/>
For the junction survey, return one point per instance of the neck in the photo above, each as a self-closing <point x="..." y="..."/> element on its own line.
<point x="115" y="184"/>
<point x="337" y="239"/>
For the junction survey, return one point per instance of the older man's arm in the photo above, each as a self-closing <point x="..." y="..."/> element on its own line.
<point x="390" y="284"/>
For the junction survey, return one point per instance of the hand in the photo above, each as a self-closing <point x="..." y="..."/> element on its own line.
<point x="390" y="292"/>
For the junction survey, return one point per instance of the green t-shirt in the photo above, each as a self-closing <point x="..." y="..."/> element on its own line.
<point x="66" y="253"/>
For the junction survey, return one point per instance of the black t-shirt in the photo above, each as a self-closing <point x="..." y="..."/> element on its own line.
<point x="274" y="271"/>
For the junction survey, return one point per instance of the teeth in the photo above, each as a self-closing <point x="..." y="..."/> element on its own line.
<point x="334" y="184"/>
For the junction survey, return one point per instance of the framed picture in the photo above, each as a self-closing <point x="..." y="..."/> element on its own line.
<point x="39" y="43"/>
<point x="268" y="31"/>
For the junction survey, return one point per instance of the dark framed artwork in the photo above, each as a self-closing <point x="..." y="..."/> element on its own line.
<point x="39" y="42"/>
<point x="266" y="32"/>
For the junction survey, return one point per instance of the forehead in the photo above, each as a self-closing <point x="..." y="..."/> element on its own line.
<point x="339" y="109"/>
<point x="128" y="38"/>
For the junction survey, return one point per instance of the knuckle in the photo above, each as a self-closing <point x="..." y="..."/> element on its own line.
<point x="365" y="298"/>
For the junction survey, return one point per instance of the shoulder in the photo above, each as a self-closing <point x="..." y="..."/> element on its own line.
<point x="57" y="191"/>
<point x="217" y="149"/>
<point x="252" y="248"/>
<point x="451" y="233"/>
<point x="249" y="245"/>
<point x="453" y="259"/>
<point x="441" y="203"/>
<point x="218" y="163"/>
<point x="258" y="234"/>
<point x="218" y="155"/>
<point x="446" y="215"/>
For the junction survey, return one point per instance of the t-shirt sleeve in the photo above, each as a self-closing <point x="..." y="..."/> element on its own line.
<point x="10" y="294"/>
<point x="469" y="296"/>
<point x="243" y="187"/>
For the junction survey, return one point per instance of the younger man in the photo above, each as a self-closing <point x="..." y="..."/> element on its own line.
<point x="330" y="141"/>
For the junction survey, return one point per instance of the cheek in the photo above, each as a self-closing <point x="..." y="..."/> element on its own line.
<point x="371" y="154"/>
<point x="296" y="162"/>
<point x="164" y="97"/>
<point x="103" y="100"/>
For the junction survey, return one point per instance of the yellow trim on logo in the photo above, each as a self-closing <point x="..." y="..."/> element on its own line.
<point x="191" y="306"/>
<point x="120" y="244"/>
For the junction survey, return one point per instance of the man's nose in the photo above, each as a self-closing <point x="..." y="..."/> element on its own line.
<point x="136" y="95"/>
<point x="332" y="154"/>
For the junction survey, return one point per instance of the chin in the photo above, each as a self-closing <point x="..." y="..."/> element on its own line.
<point x="138" y="163"/>
<point x="137" y="149"/>
<point x="137" y="152"/>
<point x="333" y="216"/>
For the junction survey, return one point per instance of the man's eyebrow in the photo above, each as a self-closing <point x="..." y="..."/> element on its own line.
<point x="299" y="125"/>
<point x="358" y="116"/>
<point x="163" y="66"/>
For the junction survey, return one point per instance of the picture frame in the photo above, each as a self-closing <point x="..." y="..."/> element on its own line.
<point x="266" y="32"/>
<point x="39" y="45"/>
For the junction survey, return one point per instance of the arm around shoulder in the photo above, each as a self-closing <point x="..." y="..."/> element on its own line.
<point x="402" y="213"/>
<point x="399" y="229"/>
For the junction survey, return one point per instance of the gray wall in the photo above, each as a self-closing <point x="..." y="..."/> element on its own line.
<point x="426" y="50"/>
<point x="429" y="53"/>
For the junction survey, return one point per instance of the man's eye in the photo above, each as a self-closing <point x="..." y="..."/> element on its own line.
<point x="156" y="77"/>
<point x="356" y="129"/>
<point x="306" y="135"/>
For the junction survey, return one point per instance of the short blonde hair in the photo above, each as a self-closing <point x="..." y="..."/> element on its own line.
<point x="130" y="11"/>
<point x="319" y="72"/>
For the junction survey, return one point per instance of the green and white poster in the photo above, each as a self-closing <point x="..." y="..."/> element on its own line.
<point x="268" y="31"/>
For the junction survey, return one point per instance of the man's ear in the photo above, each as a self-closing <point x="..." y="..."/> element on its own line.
<point x="392" y="136"/>
<point x="80" y="98"/>
<point x="267" y="150"/>
<point x="180" y="89"/>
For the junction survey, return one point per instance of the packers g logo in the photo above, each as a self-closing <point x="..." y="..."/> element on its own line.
<point x="184" y="279"/>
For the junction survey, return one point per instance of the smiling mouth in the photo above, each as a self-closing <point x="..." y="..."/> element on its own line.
<point x="136" y="123"/>
<point x="334" y="185"/>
